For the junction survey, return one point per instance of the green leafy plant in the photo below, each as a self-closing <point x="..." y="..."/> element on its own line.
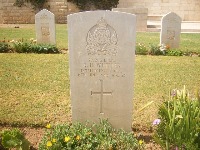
<point x="80" y="136"/>
<point x="44" y="48"/>
<point x="154" y="50"/>
<point x="179" y="126"/>
<point x="4" y="47"/>
<point x="141" y="49"/>
<point x="22" y="46"/>
<point x="98" y="4"/>
<point x="14" y="139"/>
<point x="174" y="52"/>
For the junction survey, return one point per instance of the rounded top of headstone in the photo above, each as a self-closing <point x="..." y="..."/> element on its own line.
<point x="172" y="15"/>
<point x="97" y="12"/>
<point x="44" y="12"/>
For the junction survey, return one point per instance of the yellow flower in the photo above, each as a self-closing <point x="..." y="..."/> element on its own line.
<point x="34" y="41"/>
<point x="48" y="126"/>
<point x="140" y="142"/>
<point x="54" y="140"/>
<point x="67" y="138"/>
<point x="78" y="137"/>
<point x="49" y="144"/>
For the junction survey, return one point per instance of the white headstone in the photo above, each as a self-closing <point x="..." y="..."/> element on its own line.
<point x="45" y="27"/>
<point x="102" y="54"/>
<point x="170" y="30"/>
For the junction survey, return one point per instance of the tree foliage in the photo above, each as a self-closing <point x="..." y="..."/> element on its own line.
<point x="95" y="4"/>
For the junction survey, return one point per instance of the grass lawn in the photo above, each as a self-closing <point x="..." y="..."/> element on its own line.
<point x="34" y="88"/>
<point x="189" y="42"/>
<point x="27" y="31"/>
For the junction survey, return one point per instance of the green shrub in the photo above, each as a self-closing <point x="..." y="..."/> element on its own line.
<point x="44" y="48"/>
<point x="141" y="49"/>
<point x="106" y="4"/>
<point x="79" y="136"/>
<point x="31" y="47"/>
<point x="4" y="47"/>
<point x="174" y="52"/>
<point x="180" y="122"/>
<point x="14" y="139"/>
<point x="97" y="4"/>
<point x="22" y="47"/>
<point x="155" y="50"/>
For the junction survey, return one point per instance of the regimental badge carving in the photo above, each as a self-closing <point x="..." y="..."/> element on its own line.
<point x="170" y="34"/>
<point x="45" y="33"/>
<point x="44" y="16"/>
<point x="102" y="39"/>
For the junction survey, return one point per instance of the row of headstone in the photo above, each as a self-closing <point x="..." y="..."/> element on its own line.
<point x="102" y="50"/>
<point x="102" y="55"/>
<point x="170" y="28"/>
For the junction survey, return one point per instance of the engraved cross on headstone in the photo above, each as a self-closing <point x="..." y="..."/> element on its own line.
<point x="102" y="93"/>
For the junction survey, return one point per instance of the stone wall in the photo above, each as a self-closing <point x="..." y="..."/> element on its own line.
<point x="61" y="8"/>
<point x="188" y="10"/>
<point x="141" y="16"/>
<point x="1" y="19"/>
<point x="10" y="14"/>
<point x="13" y="14"/>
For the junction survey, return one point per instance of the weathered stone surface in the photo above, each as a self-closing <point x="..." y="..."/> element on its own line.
<point x="102" y="50"/>
<point x="188" y="10"/>
<point x="141" y="16"/>
<point x="170" y="30"/>
<point x="45" y="27"/>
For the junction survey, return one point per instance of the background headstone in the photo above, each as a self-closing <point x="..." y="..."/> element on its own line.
<point x="45" y="27"/>
<point x="102" y="54"/>
<point x="170" y="30"/>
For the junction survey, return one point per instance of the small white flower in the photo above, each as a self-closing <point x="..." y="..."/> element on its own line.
<point x="12" y="41"/>
<point x="162" y="47"/>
